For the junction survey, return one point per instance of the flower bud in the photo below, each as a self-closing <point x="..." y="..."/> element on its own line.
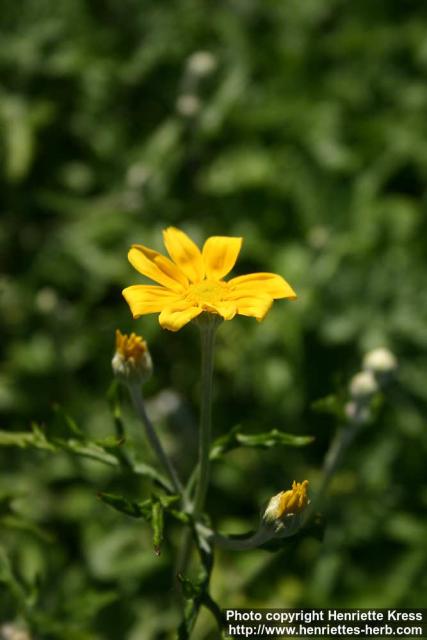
<point x="285" y="509"/>
<point x="10" y="631"/>
<point x="132" y="361"/>
<point x="363" y="385"/>
<point x="201" y="63"/>
<point x="380" y="361"/>
<point x="188" y="105"/>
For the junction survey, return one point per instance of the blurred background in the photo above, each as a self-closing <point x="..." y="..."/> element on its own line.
<point x="300" y="126"/>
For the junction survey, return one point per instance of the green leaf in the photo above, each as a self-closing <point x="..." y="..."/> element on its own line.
<point x="191" y="611"/>
<point x="157" y="522"/>
<point x="192" y="591"/>
<point x="37" y="439"/>
<point x="189" y="589"/>
<point x="168" y="501"/>
<point x="181" y="516"/>
<point x="196" y="594"/>
<point x="8" y="578"/>
<point x="26" y="439"/>
<point x="332" y="405"/>
<point x="113" y="395"/>
<point x="89" y="602"/>
<point x="151" y="510"/>
<point x="17" y="523"/>
<point x="19" y="137"/>
<point x="69" y="422"/>
<point x="146" y="470"/>
<point x="6" y="500"/>
<point x="110" y="442"/>
<point x="128" y="507"/>
<point x="87" y="449"/>
<point x="272" y="438"/>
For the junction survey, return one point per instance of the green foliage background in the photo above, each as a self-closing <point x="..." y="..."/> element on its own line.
<point x="309" y="138"/>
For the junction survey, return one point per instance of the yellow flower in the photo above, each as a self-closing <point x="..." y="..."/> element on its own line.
<point x="132" y="358"/>
<point x="288" y="503"/>
<point x="191" y="282"/>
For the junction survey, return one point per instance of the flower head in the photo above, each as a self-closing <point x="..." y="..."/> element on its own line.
<point x="380" y="361"/>
<point x="201" y="63"/>
<point x="132" y="358"/>
<point x="191" y="282"/>
<point x="288" y="503"/>
<point x="363" y="385"/>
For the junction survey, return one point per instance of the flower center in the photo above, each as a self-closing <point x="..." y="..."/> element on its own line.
<point x="130" y="347"/>
<point x="295" y="500"/>
<point x="206" y="293"/>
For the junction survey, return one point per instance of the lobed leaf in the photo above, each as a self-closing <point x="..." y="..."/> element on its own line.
<point x="128" y="507"/>
<point x="37" y="439"/>
<point x="266" y="440"/>
<point x="331" y="404"/>
<point x="157" y="522"/>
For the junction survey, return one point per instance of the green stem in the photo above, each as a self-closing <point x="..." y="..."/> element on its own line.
<point x="342" y="440"/>
<point x="207" y="324"/>
<point x="207" y="333"/>
<point x="236" y="543"/>
<point x="138" y="402"/>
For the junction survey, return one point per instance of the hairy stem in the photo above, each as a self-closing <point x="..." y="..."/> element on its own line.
<point x="207" y="324"/>
<point x="207" y="333"/>
<point x="342" y="440"/>
<point x="238" y="543"/>
<point x="138" y="402"/>
<point x="339" y="445"/>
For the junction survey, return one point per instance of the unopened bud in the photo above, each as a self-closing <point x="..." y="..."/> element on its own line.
<point x="285" y="509"/>
<point x="10" y="631"/>
<point x="201" y="63"/>
<point x="363" y="385"/>
<point x="132" y="361"/>
<point x="318" y="237"/>
<point x="380" y="361"/>
<point x="188" y="105"/>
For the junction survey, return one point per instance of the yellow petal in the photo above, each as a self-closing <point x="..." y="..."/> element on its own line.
<point x="175" y="317"/>
<point x="220" y="255"/>
<point x="269" y="284"/>
<point x="226" y="309"/>
<point x="185" y="253"/>
<point x="143" y="298"/>
<point x="254" y="306"/>
<point x="157" y="267"/>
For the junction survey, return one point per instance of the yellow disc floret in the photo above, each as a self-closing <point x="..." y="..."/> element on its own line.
<point x="130" y="346"/>
<point x="288" y="503"/>
<point x="132" y="358"/>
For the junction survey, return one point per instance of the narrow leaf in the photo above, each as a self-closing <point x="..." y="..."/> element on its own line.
<point x="113" y="396"/>
<point x="157" y="522"/>
<point x="69" y="422"/>
<point x="266" y="440"/>
<point x="128" y="507"/>
<point x="26" y="439"/>
<point x="332" y="405"/>
<point x="142" y="469"/>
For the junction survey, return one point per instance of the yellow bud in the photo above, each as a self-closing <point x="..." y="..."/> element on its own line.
<point x="132" y="360"/>
<point x="288" y="503"/>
